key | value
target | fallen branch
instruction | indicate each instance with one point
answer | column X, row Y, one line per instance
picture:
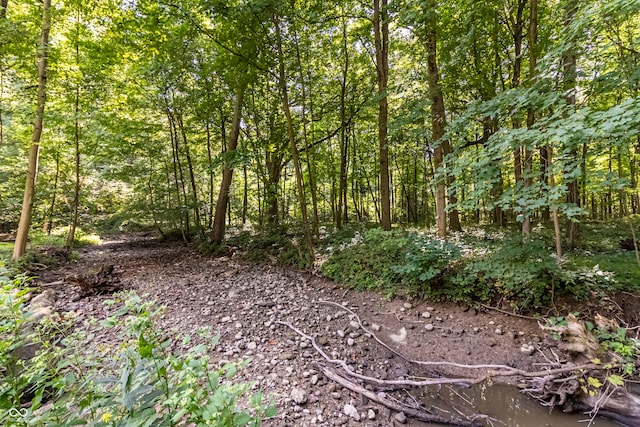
column 413, row 412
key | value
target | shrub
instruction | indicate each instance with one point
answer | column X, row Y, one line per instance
column 140, row 382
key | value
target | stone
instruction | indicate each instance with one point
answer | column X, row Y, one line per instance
column 375, row 327
column 429, row 326
column 314, row 379
column 351, row 412
column 323, row 341
column 287, row 356
column 430, row 308
column 400, row 417
column 527, row 349
column 354, row 325
column 350, row 341
column 341, row 333
column 498, row 331
column 400, row 337
column 299, row 396
column 426, row 314
column 371, row 414
column 407, row 305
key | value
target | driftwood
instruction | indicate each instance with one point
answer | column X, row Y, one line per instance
column 557, row 384
column 410, row 411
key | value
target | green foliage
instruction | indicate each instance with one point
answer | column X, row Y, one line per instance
column 426, row 265
column 269, row 244
column 139, row 382
column 366, row 261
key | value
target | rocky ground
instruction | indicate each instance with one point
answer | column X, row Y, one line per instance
column 244, row 303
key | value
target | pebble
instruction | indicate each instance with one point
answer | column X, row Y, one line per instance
column 287, row 356
column 314, row 379
column 439, row 319
column 375, row 327
column 407, row 305
column 336, row 395
column 225, row 319
column 498, row 331
column 354, row 325
column 299, row 396
column 371, row 414
column 350, row 341
column 341, row 333
column 426, row 314
column 527, row 349
column 429, row 326
column 351, row 412
column 400, row 417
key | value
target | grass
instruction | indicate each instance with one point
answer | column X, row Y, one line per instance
column 622, row 264
column 6, row 250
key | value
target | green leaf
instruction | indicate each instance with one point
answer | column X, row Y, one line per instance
column 145, row 349
column 616, row 380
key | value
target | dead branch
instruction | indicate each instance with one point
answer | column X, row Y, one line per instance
column 413, row 412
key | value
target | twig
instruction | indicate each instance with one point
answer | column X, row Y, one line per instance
column 416, row 413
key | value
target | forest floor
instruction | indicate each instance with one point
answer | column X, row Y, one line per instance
column 244, row 303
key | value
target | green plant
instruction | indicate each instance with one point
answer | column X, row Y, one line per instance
column 426, row 265
column 138, row 382
column 365, row 261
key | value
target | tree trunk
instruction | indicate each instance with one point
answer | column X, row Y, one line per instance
column 381, row 36
column 569, row 66
column 3, row 8
column 341, row 208
column 219, row 225
column 32, row 169
column 437, row 120
column 292, row 143
column 531, row 116
column 76, row 137
column 76, row 191
column 54, row 196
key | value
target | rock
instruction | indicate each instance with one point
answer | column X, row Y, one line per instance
column 287, row 356
column 323, row 341
column 400, row 417
column 527, row 349
column 401, row 337
column 426, row 314
column 439, row 319
column 375, row 327
column 314, row 379
column 299, row 396
column 225, row 319
column 498, row 331
column 429, row 326
column 252, row 345
column 407, row 305
column 350, row 341
column 341, row 333
column 354, row 325
column 336, row 395
column 371, row 414
column 351, row 412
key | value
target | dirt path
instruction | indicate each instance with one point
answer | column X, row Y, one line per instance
column 243, row 302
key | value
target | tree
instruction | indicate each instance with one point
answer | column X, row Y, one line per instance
column 381, row 36
column 32, row 167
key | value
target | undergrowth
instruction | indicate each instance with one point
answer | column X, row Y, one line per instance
column 141, row 381
column 503, row 270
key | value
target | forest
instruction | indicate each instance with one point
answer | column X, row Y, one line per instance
column 485, row 153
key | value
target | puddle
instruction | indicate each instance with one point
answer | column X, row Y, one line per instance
column 505, row 406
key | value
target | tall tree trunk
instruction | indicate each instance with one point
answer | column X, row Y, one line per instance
column 344, row 136
column 219, row 225
column 32, row 169
column 210, row 169
column 437, row 120
column 76, row 139
column 569, row 69
column 556, row 219
column 76, row 191
column 54, row 196
column 282, row 82
column 192, row 178
column 381, row 36
column 531, row 116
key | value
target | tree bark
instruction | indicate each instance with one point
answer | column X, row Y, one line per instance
column 219, row 225
column 381, row 37
column 569, row 69
column 282, row 82
column 3, row 8
column 32, row 169
column 341, row 207
column 437, row 120
column 531, row 116
column 76, row 138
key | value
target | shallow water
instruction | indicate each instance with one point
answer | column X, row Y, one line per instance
column 505, row 406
